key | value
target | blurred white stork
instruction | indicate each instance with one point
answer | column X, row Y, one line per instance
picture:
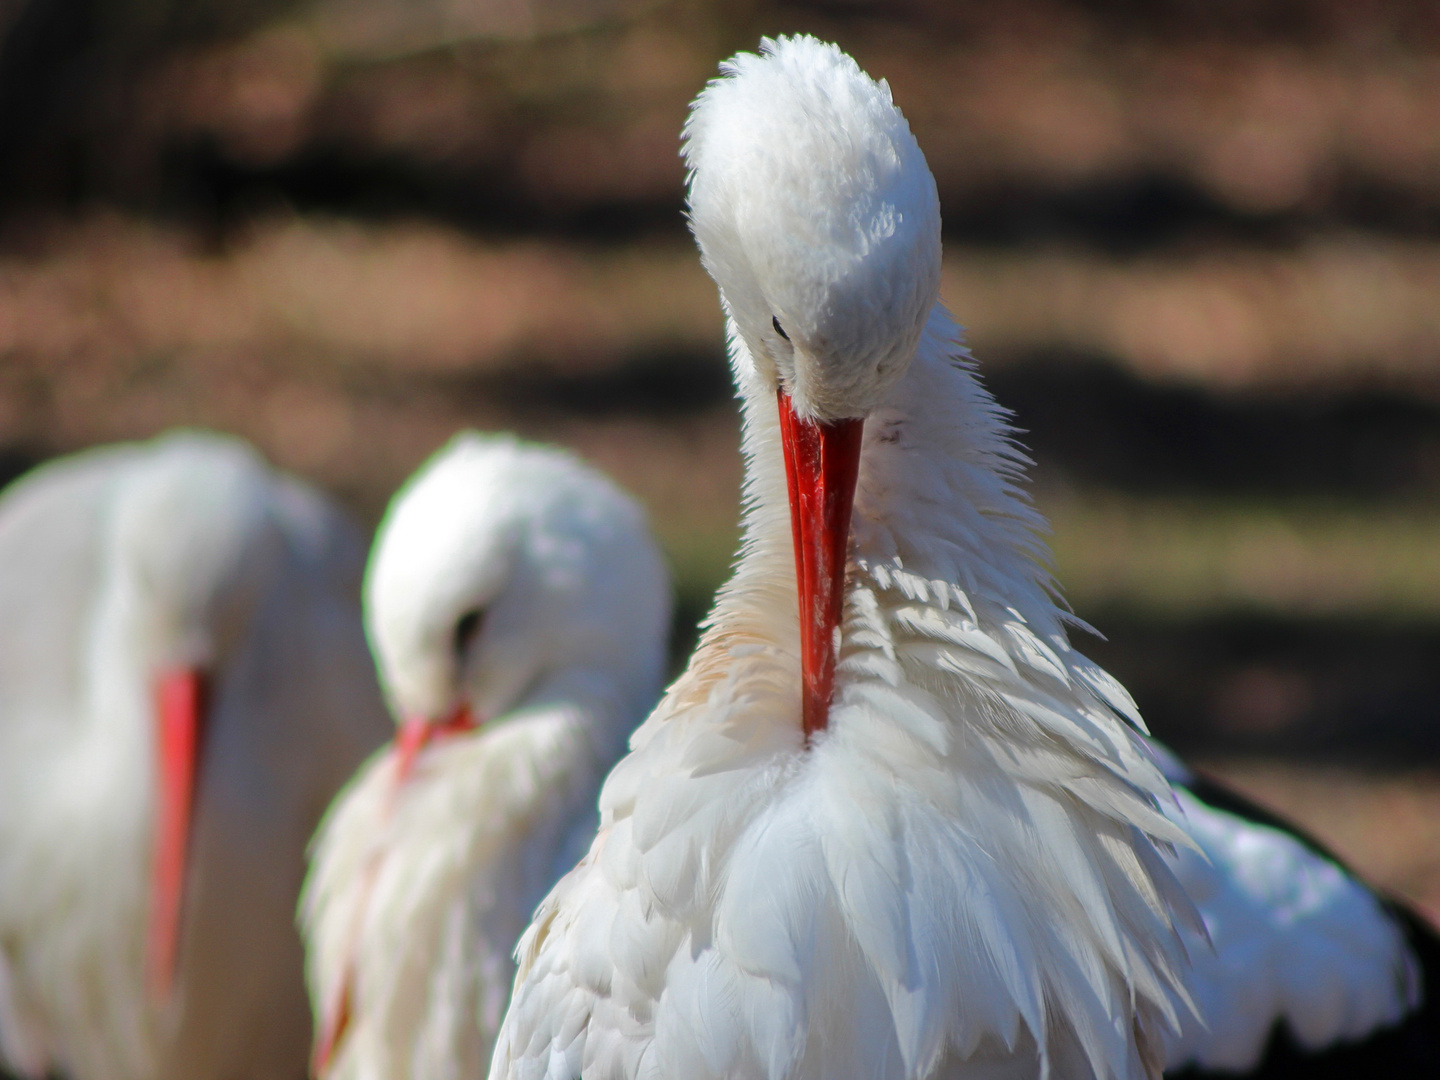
column 912, row 833
column 519, row 610
column 183, row 686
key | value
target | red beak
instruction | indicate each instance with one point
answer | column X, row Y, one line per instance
column 180, row 706
column 416, row 732
column 822, row 462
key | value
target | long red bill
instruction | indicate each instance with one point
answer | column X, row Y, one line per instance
column 180, row 712
column 822, row 462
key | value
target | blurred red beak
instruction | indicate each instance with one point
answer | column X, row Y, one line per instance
column 180, row 710
column 822, row 463
column 332, row 1029
column 416, row 733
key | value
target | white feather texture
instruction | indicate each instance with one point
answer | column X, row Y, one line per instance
column 418, row 891
column 113, row 564
column 1295, row 939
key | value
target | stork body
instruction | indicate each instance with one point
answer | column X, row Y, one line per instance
column 519, row 608
column 949, row 881
column 148, row 883
column 912, row 832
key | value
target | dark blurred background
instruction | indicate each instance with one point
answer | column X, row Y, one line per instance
column 1196, row 242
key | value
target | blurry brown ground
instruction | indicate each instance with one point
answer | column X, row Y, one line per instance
column 1197, row 245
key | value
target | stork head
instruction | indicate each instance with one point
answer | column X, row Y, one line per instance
column 196, row 548
column 498, row 566
column 818, row 218
column 197, row 544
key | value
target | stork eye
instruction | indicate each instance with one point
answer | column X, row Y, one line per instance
column 466, row 627
column 775, row 322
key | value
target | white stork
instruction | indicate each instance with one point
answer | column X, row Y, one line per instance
column 183, row 686
column 519, row 611
column 910, row 833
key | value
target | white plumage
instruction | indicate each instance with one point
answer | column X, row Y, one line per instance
column 517, row 584
column 116, row 566
column 1291, row 937
column 963, row 874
